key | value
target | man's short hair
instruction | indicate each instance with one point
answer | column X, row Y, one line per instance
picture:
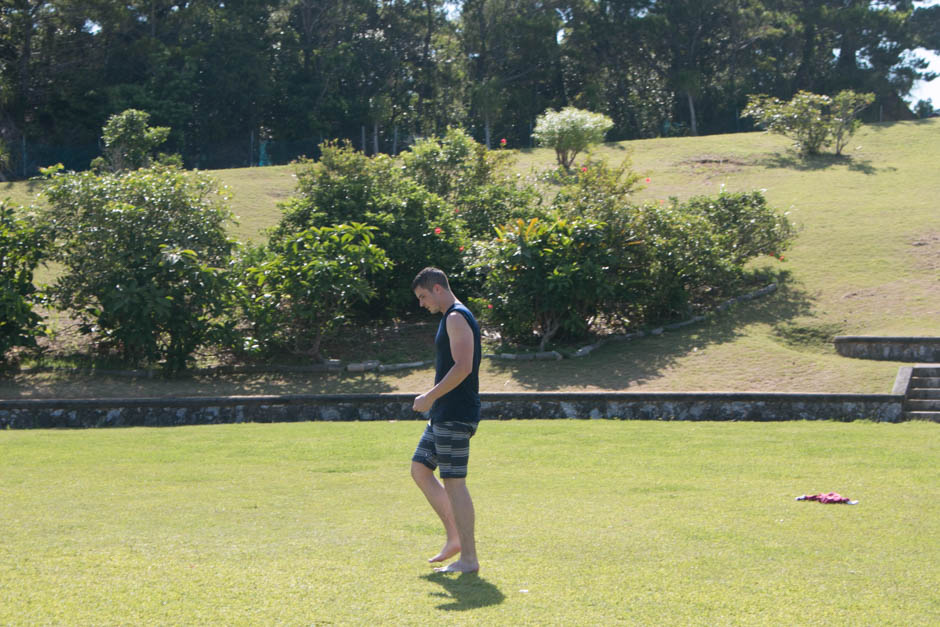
column 430, row 277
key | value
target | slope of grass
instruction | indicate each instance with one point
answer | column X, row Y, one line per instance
column 867, row 261
column 578, row 523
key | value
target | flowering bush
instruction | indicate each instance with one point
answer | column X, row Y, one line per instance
column 570, row 131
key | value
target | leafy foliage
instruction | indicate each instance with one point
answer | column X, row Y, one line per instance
column 303, row 287
column 744, row 226
column 476, row 182
column 229, row 77
column 415, row 226
column 129, row 142
column 844, row 110
column 570, row 131
column 22, row 245
column 142, row 252
column 546, row 277
column 814, row 121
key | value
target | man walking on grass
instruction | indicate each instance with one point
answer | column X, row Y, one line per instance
column 454, row 404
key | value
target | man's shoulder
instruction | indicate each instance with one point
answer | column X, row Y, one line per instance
column 457, row 316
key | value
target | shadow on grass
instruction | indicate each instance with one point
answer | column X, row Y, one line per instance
column 618, row 365
column 881, row 126
column 793, row 161
column 467, row 591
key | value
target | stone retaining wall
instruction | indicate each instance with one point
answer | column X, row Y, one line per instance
column 83, row 413
column 906, row 349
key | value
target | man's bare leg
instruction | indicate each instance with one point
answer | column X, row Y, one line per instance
column 436, row 495
column 462, row 507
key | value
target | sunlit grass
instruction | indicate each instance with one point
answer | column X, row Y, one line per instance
column 579, row 523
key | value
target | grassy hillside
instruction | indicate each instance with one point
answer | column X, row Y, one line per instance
column 867, row 261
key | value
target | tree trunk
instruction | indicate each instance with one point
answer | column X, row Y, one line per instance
column 694, row 125
column 375, row 138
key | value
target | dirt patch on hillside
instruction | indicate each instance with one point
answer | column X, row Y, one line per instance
column 926, row 251
column 709, row 165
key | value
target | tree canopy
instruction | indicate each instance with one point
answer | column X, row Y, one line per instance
column 229, row 76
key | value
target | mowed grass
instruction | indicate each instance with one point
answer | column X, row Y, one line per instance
column 578, row 523
column 866, row 262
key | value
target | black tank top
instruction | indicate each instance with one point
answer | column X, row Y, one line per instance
column 462, row 404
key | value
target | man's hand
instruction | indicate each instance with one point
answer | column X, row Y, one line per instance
column 422, row 404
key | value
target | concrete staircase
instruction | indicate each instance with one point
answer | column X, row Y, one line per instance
column 922, row 400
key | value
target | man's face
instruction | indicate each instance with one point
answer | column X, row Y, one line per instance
column 426, row 299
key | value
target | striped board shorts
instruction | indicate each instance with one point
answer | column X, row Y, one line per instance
column 446, row 445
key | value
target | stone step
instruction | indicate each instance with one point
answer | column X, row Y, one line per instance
column 926, row 371
column 924, row 393
column 922, row 415
column 925, row 382
column 916, row 404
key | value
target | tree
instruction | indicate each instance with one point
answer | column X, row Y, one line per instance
column 924, row 108
column 570, row 131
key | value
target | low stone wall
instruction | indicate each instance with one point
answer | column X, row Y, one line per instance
column 906, row 349
column 154, row 412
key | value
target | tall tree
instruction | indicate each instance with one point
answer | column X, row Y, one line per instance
column 514, row 62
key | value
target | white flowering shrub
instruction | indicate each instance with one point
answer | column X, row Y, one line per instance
column 570, row 131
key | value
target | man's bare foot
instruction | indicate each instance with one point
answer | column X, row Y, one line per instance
column 459, row 567
column 450, row 549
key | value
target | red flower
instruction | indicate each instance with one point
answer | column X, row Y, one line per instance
column 489, row 306
column 502, row 142
column 647, row 179
column 584, row 169
column 437, row 230
column 781, row 257
column 460, row 249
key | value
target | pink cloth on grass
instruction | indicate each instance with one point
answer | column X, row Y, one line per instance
column 830, row 497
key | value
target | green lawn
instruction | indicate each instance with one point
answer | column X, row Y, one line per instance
column 867, row 262
column 579, row 523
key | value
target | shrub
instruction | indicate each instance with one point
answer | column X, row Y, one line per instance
column 142, row 253
column 844, row 110
column 744, row 226
column 477, row 183
column 702, row 246
column 305, row 286
column 546, row 277
column 570, row 131
column 683, row 255
column 129, row 142
column 814, row 121
column 21, row 250
column 597, row 190
column 415, row 227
